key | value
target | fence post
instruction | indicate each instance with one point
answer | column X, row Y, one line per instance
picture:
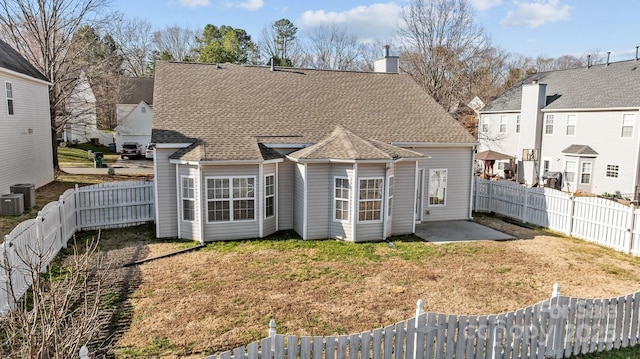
column 75, row 209
column 630, row 225
column 572, row 204
column 554, row 341
column 272, row 333
column 525, row 205
column 8, row 271
column 490, row 193
column 39, row 245
column 61, row 215
column 419, row 312
column 84, row 352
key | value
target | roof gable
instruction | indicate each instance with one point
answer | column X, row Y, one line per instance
column 599, row 87
column 133, row 90
column 10, row 59
column 231, row 107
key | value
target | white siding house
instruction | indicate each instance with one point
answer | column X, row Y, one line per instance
column 134, row 111
column 246, row 151
column 581, row 122
column 25, row 127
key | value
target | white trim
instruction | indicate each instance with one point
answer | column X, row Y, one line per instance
column 7, row 98
column 472, row 185
column 24, row 76
column 333, row 160
column 381, row 200
column 264, row 196
column 575, row 125
column 435, row 144
column 431, row 170
column 590, row 173
column 260, row 201
column 498, row 112
column 155, row 194
column 276, row 199
column 594, row 109
column 415, row 189
column 387, row 208
column 354, row 214
column 173, row 145
column 548, row 117
column 181, row 198
column 201, row 213
column 229, row 162
column 231, row 198
column 335, row 199
column 304, row 201
column 178, row 205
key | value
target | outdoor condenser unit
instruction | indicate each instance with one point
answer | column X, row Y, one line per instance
column 11, row 204
column 28, row 190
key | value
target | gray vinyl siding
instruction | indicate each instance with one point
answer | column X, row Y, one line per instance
column 404, row 195
column 190, row 229
column 458, row 162
column 373, row 230
column 166, row 192
column 318, row 200
column 25, row 138
column 220, row 231
column 298, row 198
column 269, row 225
column 285, row 194
column 340, row 229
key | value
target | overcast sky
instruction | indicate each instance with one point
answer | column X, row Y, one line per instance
column 533, row 28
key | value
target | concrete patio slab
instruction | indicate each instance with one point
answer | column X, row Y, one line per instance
column 458, row 231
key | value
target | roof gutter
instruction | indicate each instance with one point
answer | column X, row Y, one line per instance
column 434, row 144
column 173, row 145
column 335, row 160
column 595, row 109
column 498, row 111
column 226, row 162
column 25, row 77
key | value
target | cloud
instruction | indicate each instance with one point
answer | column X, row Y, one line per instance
column 250, row 5
column 483, row 5
column 534, row 14
column 375, row 21
column 194, row 3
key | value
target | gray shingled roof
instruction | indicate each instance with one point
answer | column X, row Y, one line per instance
column 342, row 144
column 10, row 59
column 132, row 90
column 601, row 86
column 579, row 150
column 230, row 107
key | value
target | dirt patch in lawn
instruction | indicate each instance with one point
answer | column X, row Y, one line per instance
column 223, row 296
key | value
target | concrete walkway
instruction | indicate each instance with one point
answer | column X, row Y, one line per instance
column 458, row 231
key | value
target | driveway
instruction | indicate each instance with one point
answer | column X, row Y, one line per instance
column 122, row 167
column 458, row 231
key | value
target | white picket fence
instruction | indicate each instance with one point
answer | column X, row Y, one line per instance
column 35, row 242
column 599, row 220
column 555, row 328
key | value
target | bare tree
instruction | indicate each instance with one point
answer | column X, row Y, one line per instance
column 135, row 43
column 63, row 311
column 177, row 42
column 332, row 48
column 43, row 32
column 439, row 38
column 279, row 41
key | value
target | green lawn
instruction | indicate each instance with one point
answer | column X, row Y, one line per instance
column 76, row 155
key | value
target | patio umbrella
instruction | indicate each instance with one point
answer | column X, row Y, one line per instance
column 489, row 157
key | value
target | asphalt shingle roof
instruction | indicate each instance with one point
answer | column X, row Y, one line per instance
column 10, row 59
column 579, row 150
column 600, row 86
column 231, row 108
column 132, row 90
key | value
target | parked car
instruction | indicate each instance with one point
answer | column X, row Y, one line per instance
column 149, row 151
column 131, row 150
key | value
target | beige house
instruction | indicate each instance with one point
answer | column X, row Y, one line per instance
column 245, row 151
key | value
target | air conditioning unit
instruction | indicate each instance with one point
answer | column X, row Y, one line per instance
column 11, row 204
column 28, row 190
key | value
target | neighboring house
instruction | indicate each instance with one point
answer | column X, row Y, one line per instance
column 134, row 111
column 25, row 122
column 581, row 122
column 245, row 151
column 80, row 124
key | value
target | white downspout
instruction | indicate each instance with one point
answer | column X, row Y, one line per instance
column 276, row 197
column 201, row 204
column 178, row 195
column 260, row 200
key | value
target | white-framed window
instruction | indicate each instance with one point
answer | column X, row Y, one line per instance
column 628, row 122
column 8, row 88
column 585, row 173
column 546, row 164
column 570, row 171
column 612, row 171
column 548, row 125
column 341, row 191
column 269, row 196
column 143, row 109
column 518, row 124
column 571, row 125
column 437, row 187
column 390, row 195
column 503, row 124
column 370, row 199
column 230, row 199
column 485, row 124
column 188, row 195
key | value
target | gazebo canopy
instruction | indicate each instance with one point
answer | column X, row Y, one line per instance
column 490, row 155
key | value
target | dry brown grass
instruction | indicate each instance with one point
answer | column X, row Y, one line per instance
column 212, row 300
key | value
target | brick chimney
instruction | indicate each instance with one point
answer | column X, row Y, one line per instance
column 389, row 64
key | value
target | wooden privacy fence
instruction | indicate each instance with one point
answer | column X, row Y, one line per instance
column 593, row 219
column 555, row 328
column 34, row 243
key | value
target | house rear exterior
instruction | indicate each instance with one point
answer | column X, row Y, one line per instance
column 25, row 127
column 245, row 151
column 580, row 122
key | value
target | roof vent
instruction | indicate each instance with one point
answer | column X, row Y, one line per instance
column 637, row 52
column 273, row 63
column 588, row 61
column 534, row 82
column 608, row 56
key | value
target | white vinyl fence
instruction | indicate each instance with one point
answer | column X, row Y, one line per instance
column 35, row 242
column 555, row 328
column 593, row 219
